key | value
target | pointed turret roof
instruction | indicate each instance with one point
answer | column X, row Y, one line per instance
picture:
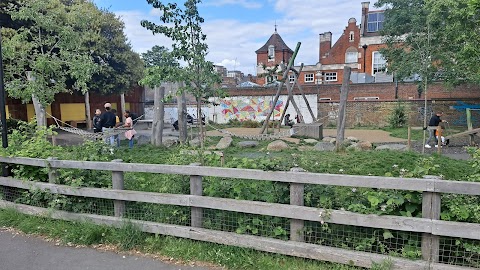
column 275, row 40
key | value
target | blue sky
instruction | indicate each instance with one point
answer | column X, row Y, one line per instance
column 235, row 29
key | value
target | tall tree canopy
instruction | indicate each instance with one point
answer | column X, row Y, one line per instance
column 161, row 66
column 46, row 51
column 120, row 67
column 436, row 39
column 85, row 47
column 183, row 26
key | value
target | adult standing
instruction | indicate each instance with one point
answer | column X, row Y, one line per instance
column 432, row 126
column 108, row 123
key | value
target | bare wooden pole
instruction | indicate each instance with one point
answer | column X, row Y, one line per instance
column 343, row 107
column 285, row 73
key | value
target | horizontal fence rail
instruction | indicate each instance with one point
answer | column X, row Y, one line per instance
column 429, row 226
column 409, row 184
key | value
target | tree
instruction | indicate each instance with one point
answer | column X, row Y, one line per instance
column 45, row 54
column 436, row 39
column 183, row 27
column 425, row 41
column 120, row 67
column 161, row 67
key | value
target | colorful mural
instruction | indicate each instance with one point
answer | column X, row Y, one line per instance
column 249, row 109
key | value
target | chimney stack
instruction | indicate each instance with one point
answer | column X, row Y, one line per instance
column 365, row 9
column 325, row 45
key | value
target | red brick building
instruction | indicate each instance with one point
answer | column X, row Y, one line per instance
column 270, row 56
column 357, row 47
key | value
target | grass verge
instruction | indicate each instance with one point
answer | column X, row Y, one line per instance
column 128, row 238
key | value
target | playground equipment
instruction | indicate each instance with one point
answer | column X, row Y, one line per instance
column 289, row 90
column 471, row 131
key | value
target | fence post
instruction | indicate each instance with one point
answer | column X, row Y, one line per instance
column 296, row 198
column 439, row 140
column 431, row 203
column 52, row 172
column 196, row 189
column 409, row 135
column 118, row 183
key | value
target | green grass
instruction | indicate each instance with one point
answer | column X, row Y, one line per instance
column 129, row 238
column 418, row 134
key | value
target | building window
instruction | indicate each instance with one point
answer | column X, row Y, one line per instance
column 375, row 22
column 271, row 53
column 379, row 63
column 330, row 76
column 351, row 57
column 351, row 38
column 271, row 79
column 291, row 78
column 309, row 77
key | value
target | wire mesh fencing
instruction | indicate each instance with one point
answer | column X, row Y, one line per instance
column 249, row 193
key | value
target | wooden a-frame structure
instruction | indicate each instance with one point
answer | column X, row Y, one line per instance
column 290, row 92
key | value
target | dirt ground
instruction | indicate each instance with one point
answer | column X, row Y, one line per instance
column 456, row 149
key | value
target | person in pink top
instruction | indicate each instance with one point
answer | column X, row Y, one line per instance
column 129, row 134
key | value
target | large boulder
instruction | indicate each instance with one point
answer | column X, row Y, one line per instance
column 142, row 139
column 248, row 144
column 364, row 145
column 224, row 142
column 324, row 146
column 277, row 145
column 170, row 141
column 310, row 141
column 394, row 146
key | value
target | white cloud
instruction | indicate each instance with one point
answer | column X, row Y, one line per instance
column 243, row 3
column 232, row 43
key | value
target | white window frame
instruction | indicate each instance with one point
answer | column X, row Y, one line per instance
column 351, row 57
column 331, row 76
column 379, row 64
column 271, row 53
column 376, row 24
column 291, row 78
column 309, row 77
column 351, row 37
column 272, row 78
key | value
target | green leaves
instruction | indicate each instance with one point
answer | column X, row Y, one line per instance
column 435, row 39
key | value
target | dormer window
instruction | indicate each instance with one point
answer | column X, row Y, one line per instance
column 271, row 53
column 375, row 21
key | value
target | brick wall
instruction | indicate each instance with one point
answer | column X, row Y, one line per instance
column 374, row 113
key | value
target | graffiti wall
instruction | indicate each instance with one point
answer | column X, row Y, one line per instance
column 256, row 108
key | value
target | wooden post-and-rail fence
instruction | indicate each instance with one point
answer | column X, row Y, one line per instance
column 429, row 225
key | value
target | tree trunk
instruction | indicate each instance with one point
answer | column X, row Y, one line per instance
column 39, row 112
column 87, row 110
column 199, row 122
column 122, row 106
column 343, row 107
column 182, row 113
column 158, row 115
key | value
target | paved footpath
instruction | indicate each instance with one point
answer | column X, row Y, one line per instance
column 19, row 252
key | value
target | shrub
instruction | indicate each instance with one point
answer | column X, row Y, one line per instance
column 397, row 118
column 250, row 124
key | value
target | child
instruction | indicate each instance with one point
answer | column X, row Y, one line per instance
column 129, row 134
column 287, row 121
column 442, row 139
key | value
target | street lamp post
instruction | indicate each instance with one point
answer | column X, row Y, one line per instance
column 365, row 46
column 3, row 113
